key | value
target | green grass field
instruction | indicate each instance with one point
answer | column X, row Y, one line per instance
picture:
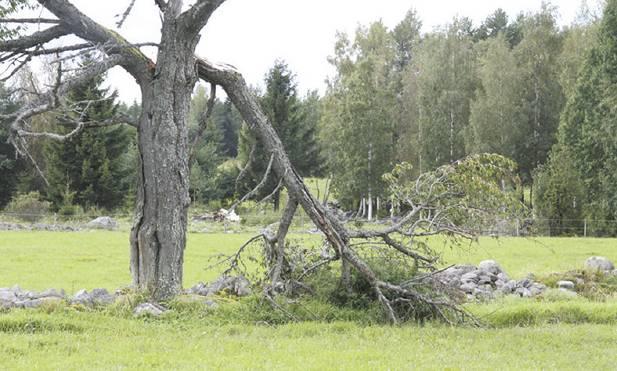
column 40, row 260
column 521, row 334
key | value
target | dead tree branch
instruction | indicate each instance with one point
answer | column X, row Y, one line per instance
column 125, row 15
column 257, row 188
column 29, row 20
column 433, row 190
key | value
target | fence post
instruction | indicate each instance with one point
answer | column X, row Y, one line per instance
column 585, row 228
column 517, row 228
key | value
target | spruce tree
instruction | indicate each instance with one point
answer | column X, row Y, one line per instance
column 293, row 125
column 589, row 123
column 9, row 165
column 94, row 163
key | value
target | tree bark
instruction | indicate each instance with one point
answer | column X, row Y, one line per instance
column 278, row 252
column 158, row 236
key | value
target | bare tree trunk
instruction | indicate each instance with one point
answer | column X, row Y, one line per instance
column 451, row 136
column 363, row 206
column 370, row 180
column 158, row 236
column 370, row 206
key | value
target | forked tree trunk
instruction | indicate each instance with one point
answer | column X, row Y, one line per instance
column 158, row 236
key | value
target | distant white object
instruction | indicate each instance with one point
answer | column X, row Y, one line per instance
column 230, row 216
column 103, row 222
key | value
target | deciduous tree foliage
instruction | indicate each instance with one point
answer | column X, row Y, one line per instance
column 445, row 85
column 497, row 112
column 537, row 59
column 360, row 111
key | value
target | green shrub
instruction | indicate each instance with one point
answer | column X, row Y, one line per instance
column 28, row 207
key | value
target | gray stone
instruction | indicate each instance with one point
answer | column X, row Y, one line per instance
column 484, row 279
column 490, row 266
column 7, row 298
column 568, row 285
column 537, row 289
column 599, row 263
column 47, row 293
column 11, row 227
column 509, row 287
column 238, row 286
column 453, row 275
column 468, row 287
column 35, row 303
column 199, row 289
column 483, row 293
column 103, row 222
column 148, row 309
column 526, row 283
column 459, row 270
column 503, row 277
column 102, row 297
column 82, row 297
column 469, row 277
column 523, row 292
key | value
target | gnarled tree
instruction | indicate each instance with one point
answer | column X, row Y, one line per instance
column 158, row 236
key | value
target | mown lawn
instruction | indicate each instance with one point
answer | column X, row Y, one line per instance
column 520, row 334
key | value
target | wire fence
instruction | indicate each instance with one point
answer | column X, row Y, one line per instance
column 534, row 227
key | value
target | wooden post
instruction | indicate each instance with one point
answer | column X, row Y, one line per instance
column 585, row 228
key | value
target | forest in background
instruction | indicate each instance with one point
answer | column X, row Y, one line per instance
column 516, row 85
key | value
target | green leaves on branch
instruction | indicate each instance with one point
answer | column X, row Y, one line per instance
column 472, row 193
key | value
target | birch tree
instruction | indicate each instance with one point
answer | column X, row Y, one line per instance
column 359, row 119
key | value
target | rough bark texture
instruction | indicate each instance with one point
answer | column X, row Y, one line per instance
column 278, row 247
column 158, row 236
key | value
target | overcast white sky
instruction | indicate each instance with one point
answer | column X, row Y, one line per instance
column 251, row 34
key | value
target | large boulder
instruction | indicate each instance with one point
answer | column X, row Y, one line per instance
column 599, row 263
column 103, row 222
column 490, row 266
